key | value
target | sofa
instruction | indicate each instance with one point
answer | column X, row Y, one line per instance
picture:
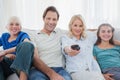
column 90, row 32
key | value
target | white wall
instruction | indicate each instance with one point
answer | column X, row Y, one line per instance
column 30, row 12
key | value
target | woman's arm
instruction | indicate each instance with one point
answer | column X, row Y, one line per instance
column 70, row 51
column 10, row 50
column 7, row 51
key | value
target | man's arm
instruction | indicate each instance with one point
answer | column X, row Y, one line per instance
column 40, row 65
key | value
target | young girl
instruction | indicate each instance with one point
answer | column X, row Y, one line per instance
column 107, row 53
column 9, row 41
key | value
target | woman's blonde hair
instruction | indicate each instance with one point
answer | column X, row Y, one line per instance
column 79, row 17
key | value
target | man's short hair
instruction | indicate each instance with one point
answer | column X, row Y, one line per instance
column 51, row 8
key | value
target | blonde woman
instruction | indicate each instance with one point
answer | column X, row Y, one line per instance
column 77, row 48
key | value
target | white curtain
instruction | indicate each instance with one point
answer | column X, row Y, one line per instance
column 30, row 12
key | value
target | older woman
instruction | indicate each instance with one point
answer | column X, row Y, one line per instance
column 77, row 48
column 11, row 56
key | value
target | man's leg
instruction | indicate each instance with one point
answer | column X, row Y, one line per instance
column 37, row 75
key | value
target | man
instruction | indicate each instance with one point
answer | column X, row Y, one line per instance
column 49, row 64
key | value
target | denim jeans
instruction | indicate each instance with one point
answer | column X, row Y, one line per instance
column 22, row 62
column 38, row 75
column 24, row 57
column 1, row 73
column 115, row 71
column 5, row 66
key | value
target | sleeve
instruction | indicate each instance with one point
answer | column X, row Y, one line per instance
column 61, row 31
column 94, row 52
column 3, row 39
column 24, row 36
column 0, row 41
column 65, row 43
column 119, row 49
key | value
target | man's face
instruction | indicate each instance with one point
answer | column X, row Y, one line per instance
column 50, row 21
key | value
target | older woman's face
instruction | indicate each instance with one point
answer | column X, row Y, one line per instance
column 77, row 28
column 14, row 28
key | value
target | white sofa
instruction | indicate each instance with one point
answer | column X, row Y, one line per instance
column 13, row 77
column 91, row 32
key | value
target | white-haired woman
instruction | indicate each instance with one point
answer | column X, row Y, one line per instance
column 11, row 58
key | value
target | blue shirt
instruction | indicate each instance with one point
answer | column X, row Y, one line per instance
column 6, row 44
column 107, row 58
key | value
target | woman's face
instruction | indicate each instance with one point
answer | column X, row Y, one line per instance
column 105, row 33
column 14, row 28
column 77, row 28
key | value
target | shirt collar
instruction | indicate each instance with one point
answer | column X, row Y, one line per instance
column 74, row 38
column 40, row 32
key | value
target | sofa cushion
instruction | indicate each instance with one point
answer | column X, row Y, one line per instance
column 13, row 77
column 90, row 33
column 93, row 32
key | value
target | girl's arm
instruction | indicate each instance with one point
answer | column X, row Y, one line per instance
column 117, row 42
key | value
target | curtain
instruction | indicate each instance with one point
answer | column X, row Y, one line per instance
column 30, row 12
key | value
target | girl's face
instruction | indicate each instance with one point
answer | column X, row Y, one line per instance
column 14, row 28
column 105, row 33
column 77, row 28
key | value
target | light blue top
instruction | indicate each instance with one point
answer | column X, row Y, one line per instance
column 107, row 58
column 82, row 61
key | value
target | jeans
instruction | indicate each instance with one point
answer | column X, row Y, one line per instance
column 24, row 57
column 5, row 66
column 115, row 71
column 38, row 75
column 22, row 62
column 1, row 73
